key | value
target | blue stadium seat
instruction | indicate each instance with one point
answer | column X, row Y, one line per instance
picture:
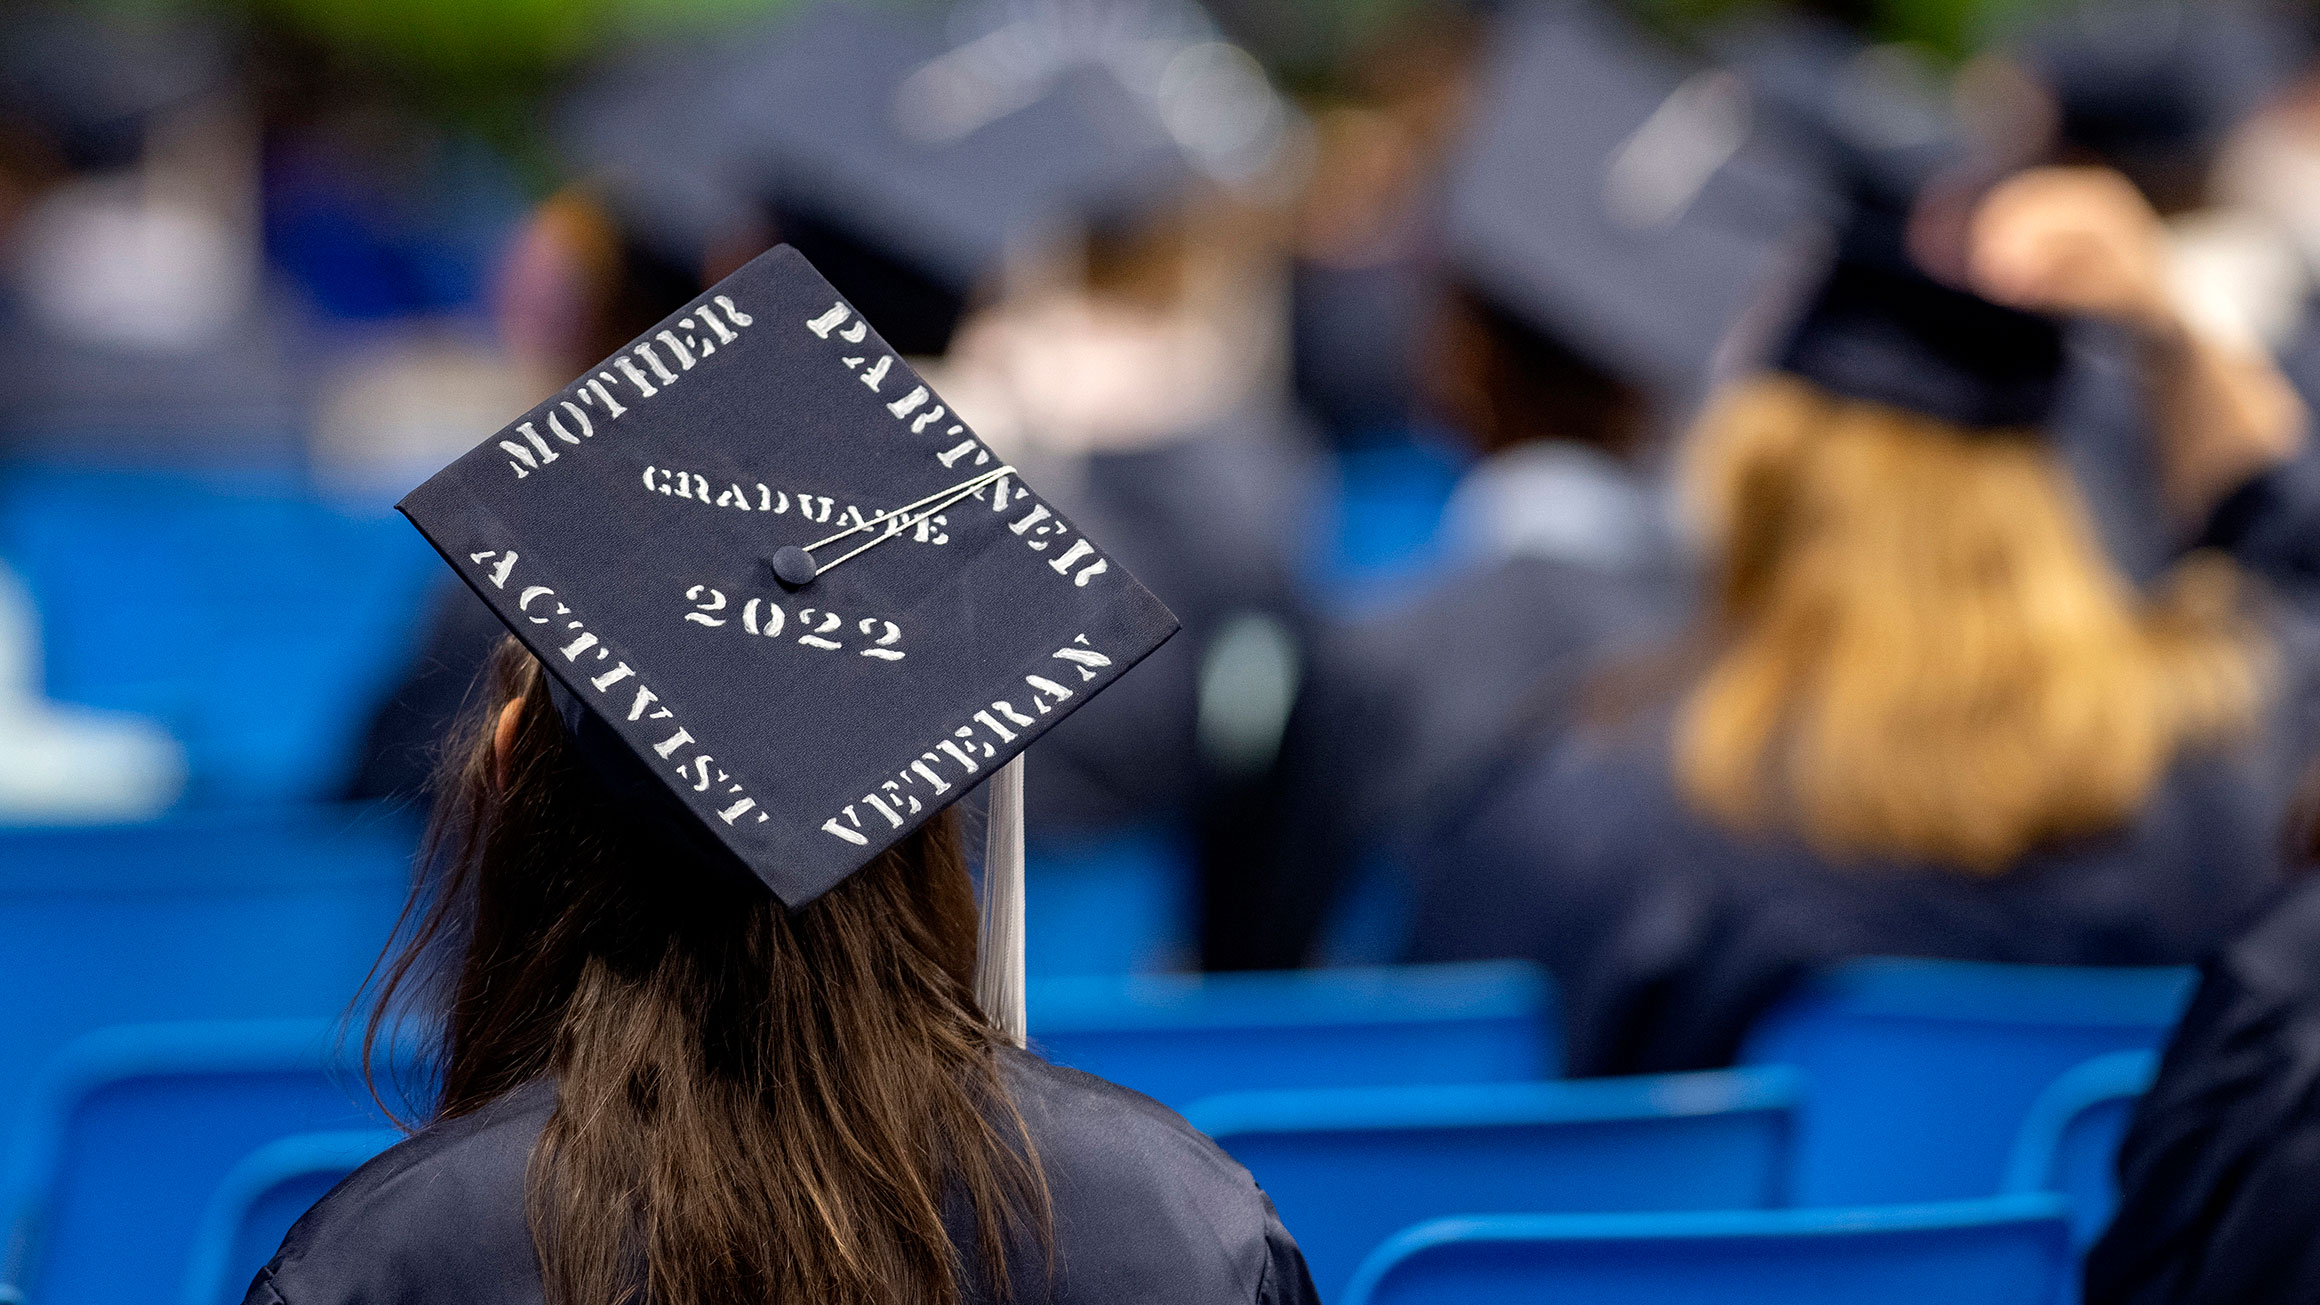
column 1918, row 1073
column 1376, row 537
column 260, row 626
column 258, row 1201
column 1179, row 1038
column 1111, row 903
column 132, row 1129
column 2069, row 1143
column 1347, row 1167
column 206, row 915
column 2005, row 1250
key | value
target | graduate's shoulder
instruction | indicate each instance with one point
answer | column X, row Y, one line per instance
column 441, row 1211
column 1146, row 1207
column 1081, row 1122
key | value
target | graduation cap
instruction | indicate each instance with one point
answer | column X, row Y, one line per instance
column 1875, row 121
column 644, row 130
column 871, row 126
column 1620, row 203
column 784, row 593
column 2152, row 87
column 1879, row 329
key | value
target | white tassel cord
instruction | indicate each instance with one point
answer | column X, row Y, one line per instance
column 999, row 958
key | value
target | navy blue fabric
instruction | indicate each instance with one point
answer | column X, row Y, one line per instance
column 1879, row 139
column 834, row 128
column 2151, row 90
column 621, row 530
column 1879, row 330
column 1210, row 523
column 650, row 133
column 1147, row 1211
column 1403, row 716
column 2219, row 1167
column 1565, row 211
column 2271, row 523
column 1670, row 935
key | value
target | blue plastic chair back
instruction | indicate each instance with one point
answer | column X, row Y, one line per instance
column 1179, row 1038
column 2070, row 1141
column 1918, row 1073
column 131, row 1131
column 2006, row 1250
column 260, row 626
column 1118, row 903
column 1379, row 533
column 260, row 1198
column 211, row 915
column 1348, row 1167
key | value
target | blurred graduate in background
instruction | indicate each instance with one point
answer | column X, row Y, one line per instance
column 2174, row 103
column 2217, row 1168
column 1610, row 217
column 1923, row 713
column 1071, row 213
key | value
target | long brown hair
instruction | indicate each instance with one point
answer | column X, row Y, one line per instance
column 751, row 1105
column 1920, row 650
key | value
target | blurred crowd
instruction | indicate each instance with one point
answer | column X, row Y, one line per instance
column 1571, row 564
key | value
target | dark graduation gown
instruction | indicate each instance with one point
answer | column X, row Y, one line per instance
column 1209, row 523
column 2220, row 1172
column 1405, row 711
column 2271, row 525
column 1671, row 935
column 1146, row 1210
column 1402, row 714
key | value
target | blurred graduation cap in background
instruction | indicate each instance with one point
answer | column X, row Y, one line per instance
column 911, row 161
column 94, row 79
column 791, row 606
column 1875, row 121
column 645, row 132
column 2151, row 88
column 1622, row 204
column 1878, row 329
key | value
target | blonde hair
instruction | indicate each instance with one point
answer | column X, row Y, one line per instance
column 1922, row 653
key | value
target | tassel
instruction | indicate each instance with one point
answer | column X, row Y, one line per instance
column 999, row 958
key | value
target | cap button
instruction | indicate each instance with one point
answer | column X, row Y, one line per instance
column 793, row 566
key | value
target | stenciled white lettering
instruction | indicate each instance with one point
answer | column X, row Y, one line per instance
column 534, row 602
column 967, row 746
column 641, row 367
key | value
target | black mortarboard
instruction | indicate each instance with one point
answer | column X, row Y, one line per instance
column 646, row 534
column 1617, row 204
column 1879, row 329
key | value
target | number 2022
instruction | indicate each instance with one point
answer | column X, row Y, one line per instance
column 764, row 617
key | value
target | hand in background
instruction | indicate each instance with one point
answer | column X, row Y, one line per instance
column 2082, row 241
column 2074, row 241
